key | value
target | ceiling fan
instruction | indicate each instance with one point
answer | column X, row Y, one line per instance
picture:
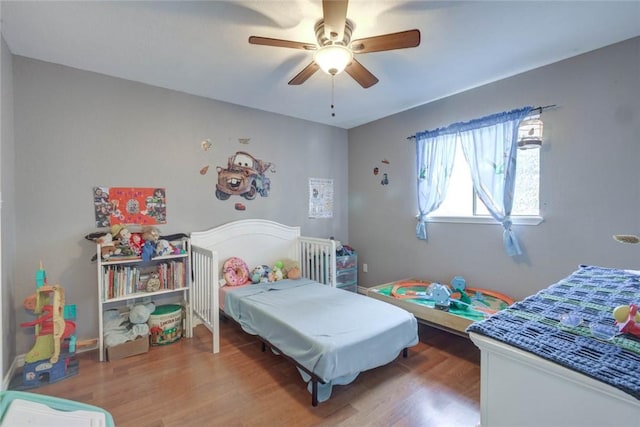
column 334, row 51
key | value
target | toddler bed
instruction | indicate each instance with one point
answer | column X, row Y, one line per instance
column 555, row 359
column 329, row 334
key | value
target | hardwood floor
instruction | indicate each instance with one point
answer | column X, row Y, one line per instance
column 183, row 384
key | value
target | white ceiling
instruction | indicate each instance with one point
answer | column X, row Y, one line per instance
column 201, row 47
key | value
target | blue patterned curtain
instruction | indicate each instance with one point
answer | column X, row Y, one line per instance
column 490, row 146
column 435, row 152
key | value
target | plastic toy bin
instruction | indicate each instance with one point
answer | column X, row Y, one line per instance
column 346, row 278
column 346, row 261
column 58, row 405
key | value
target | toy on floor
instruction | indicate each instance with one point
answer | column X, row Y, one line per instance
column 52, row 356
column 456, row 295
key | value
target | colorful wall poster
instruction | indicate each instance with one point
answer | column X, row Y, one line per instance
column 127, row 205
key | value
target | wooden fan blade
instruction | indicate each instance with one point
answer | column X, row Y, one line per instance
column 266, row 41
column 304, row 74
column 361, row 74
column 401, row 40
column 335, row 16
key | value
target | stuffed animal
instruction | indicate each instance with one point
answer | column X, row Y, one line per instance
column 277, row 272
column 256, row 274
column 150, row 233
column 291, row 269
column 120, row 328
column 148, row 250
column 136, row 243
column 294, row 273
column 260, row 274
column 120, row 234
column 138, row 316
column 140, row 313
column 163, row 247
column 153, row 284
column 107, row 246
column 150, row 237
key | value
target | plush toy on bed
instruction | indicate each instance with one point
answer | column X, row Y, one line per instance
column 291, row 269
column 235, row 272
column 260, row 274
column 627, row 319
column 277, row 273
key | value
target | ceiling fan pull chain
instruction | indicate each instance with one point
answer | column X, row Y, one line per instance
column 333, row 114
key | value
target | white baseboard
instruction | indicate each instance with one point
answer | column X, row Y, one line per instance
column 17, row 363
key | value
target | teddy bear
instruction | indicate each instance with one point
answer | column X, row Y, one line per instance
column 150, row 233
column 291, row 269
column 294, row 273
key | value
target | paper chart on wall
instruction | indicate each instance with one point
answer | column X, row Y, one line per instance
column 320, row 198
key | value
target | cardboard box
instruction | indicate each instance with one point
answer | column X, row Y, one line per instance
column 130, row 348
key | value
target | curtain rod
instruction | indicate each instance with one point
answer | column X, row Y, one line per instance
column 539, row 109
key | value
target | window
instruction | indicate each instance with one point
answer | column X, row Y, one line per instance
column 462, row 204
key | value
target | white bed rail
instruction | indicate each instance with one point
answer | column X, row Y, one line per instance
column 318, row 259
column 204, row 291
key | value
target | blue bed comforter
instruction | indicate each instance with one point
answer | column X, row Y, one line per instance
column 333, row 333
column 590, row 293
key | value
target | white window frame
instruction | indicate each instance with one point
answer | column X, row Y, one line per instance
column 484, row 219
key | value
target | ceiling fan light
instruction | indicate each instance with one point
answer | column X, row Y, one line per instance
column 333, row 59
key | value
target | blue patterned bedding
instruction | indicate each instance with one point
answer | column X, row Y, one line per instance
column 590, row 294
column 333, row 333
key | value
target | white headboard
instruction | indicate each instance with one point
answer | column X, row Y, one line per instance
column 256, row 241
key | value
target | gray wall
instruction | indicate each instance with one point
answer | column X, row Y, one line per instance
column 75, row 129
column 589, row 180
column 7, row 226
